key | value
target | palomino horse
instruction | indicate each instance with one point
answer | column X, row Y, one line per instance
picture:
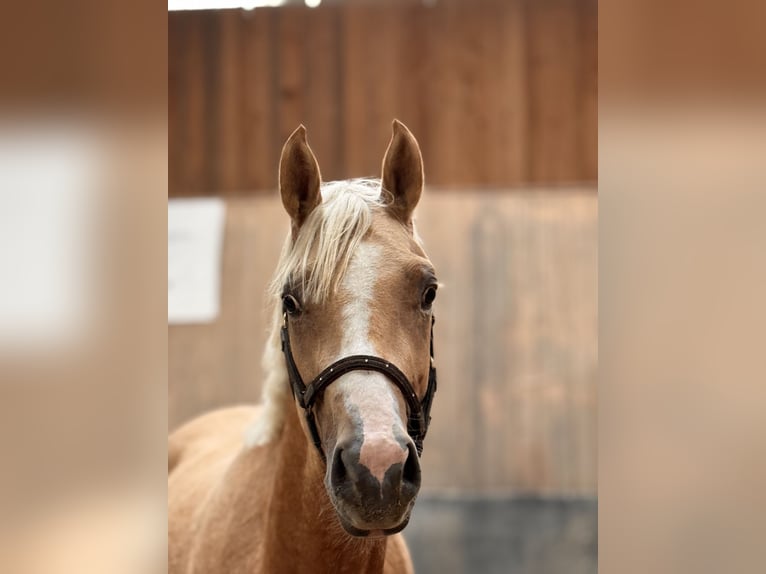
column 322, row 476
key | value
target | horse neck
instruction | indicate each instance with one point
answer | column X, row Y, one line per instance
column 303, row 532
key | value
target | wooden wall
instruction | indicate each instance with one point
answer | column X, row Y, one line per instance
column 516, row 335
column 499, row 92
column 502, row 95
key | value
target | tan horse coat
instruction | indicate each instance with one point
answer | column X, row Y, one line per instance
column 238, row 510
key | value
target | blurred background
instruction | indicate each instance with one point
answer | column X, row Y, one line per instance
column 83, row 182
column 502, row 97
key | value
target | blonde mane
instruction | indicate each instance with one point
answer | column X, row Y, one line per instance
column 317, row 259
column 314, row 262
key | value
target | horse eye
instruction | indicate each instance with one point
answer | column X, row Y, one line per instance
column 428, row 297
column 290, row 304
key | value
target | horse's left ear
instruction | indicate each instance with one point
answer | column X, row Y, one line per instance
column 403, row 172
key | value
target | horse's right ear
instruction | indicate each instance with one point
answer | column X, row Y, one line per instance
column 299, row 178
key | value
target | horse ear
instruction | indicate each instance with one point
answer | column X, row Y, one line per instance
column 299, row 178
column 403, row 172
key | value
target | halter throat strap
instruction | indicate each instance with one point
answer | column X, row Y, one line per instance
column 419, row 416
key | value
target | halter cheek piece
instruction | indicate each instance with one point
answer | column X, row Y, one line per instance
column 419, row 410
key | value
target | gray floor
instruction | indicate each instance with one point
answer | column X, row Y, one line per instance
column 448, row 535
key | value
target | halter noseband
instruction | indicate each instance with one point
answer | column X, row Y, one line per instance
column 419, row 410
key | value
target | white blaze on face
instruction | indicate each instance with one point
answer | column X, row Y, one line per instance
column 370, row 394
column 358, row 286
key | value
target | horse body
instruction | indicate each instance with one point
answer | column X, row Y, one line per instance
column 324, row 485
column 240, row 510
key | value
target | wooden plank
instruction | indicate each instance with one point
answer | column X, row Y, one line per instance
column 258, row 116
column 360, row 83
column 552, row 80
column 385, row 70
column 323, row 115
column 409, row 76
column 445, row 241
column 177, row 42
column 587, row 75
column 209, row 79
column 507, row 132
column 228, row 95
column 445, row 159
column 192, row 154
column 291, row 69
column 474, row 91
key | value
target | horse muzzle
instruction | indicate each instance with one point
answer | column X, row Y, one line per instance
column 373, row 483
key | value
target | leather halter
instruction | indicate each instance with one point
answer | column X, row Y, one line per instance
column 419, row 410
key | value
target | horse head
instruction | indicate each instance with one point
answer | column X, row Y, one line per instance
column 357, row 290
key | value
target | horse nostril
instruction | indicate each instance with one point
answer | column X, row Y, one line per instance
column 411, row 471
column 338, row 472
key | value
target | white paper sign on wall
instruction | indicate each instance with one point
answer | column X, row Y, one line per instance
column 195, row 247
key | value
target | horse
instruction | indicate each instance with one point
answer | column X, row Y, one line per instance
column 322, row 477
